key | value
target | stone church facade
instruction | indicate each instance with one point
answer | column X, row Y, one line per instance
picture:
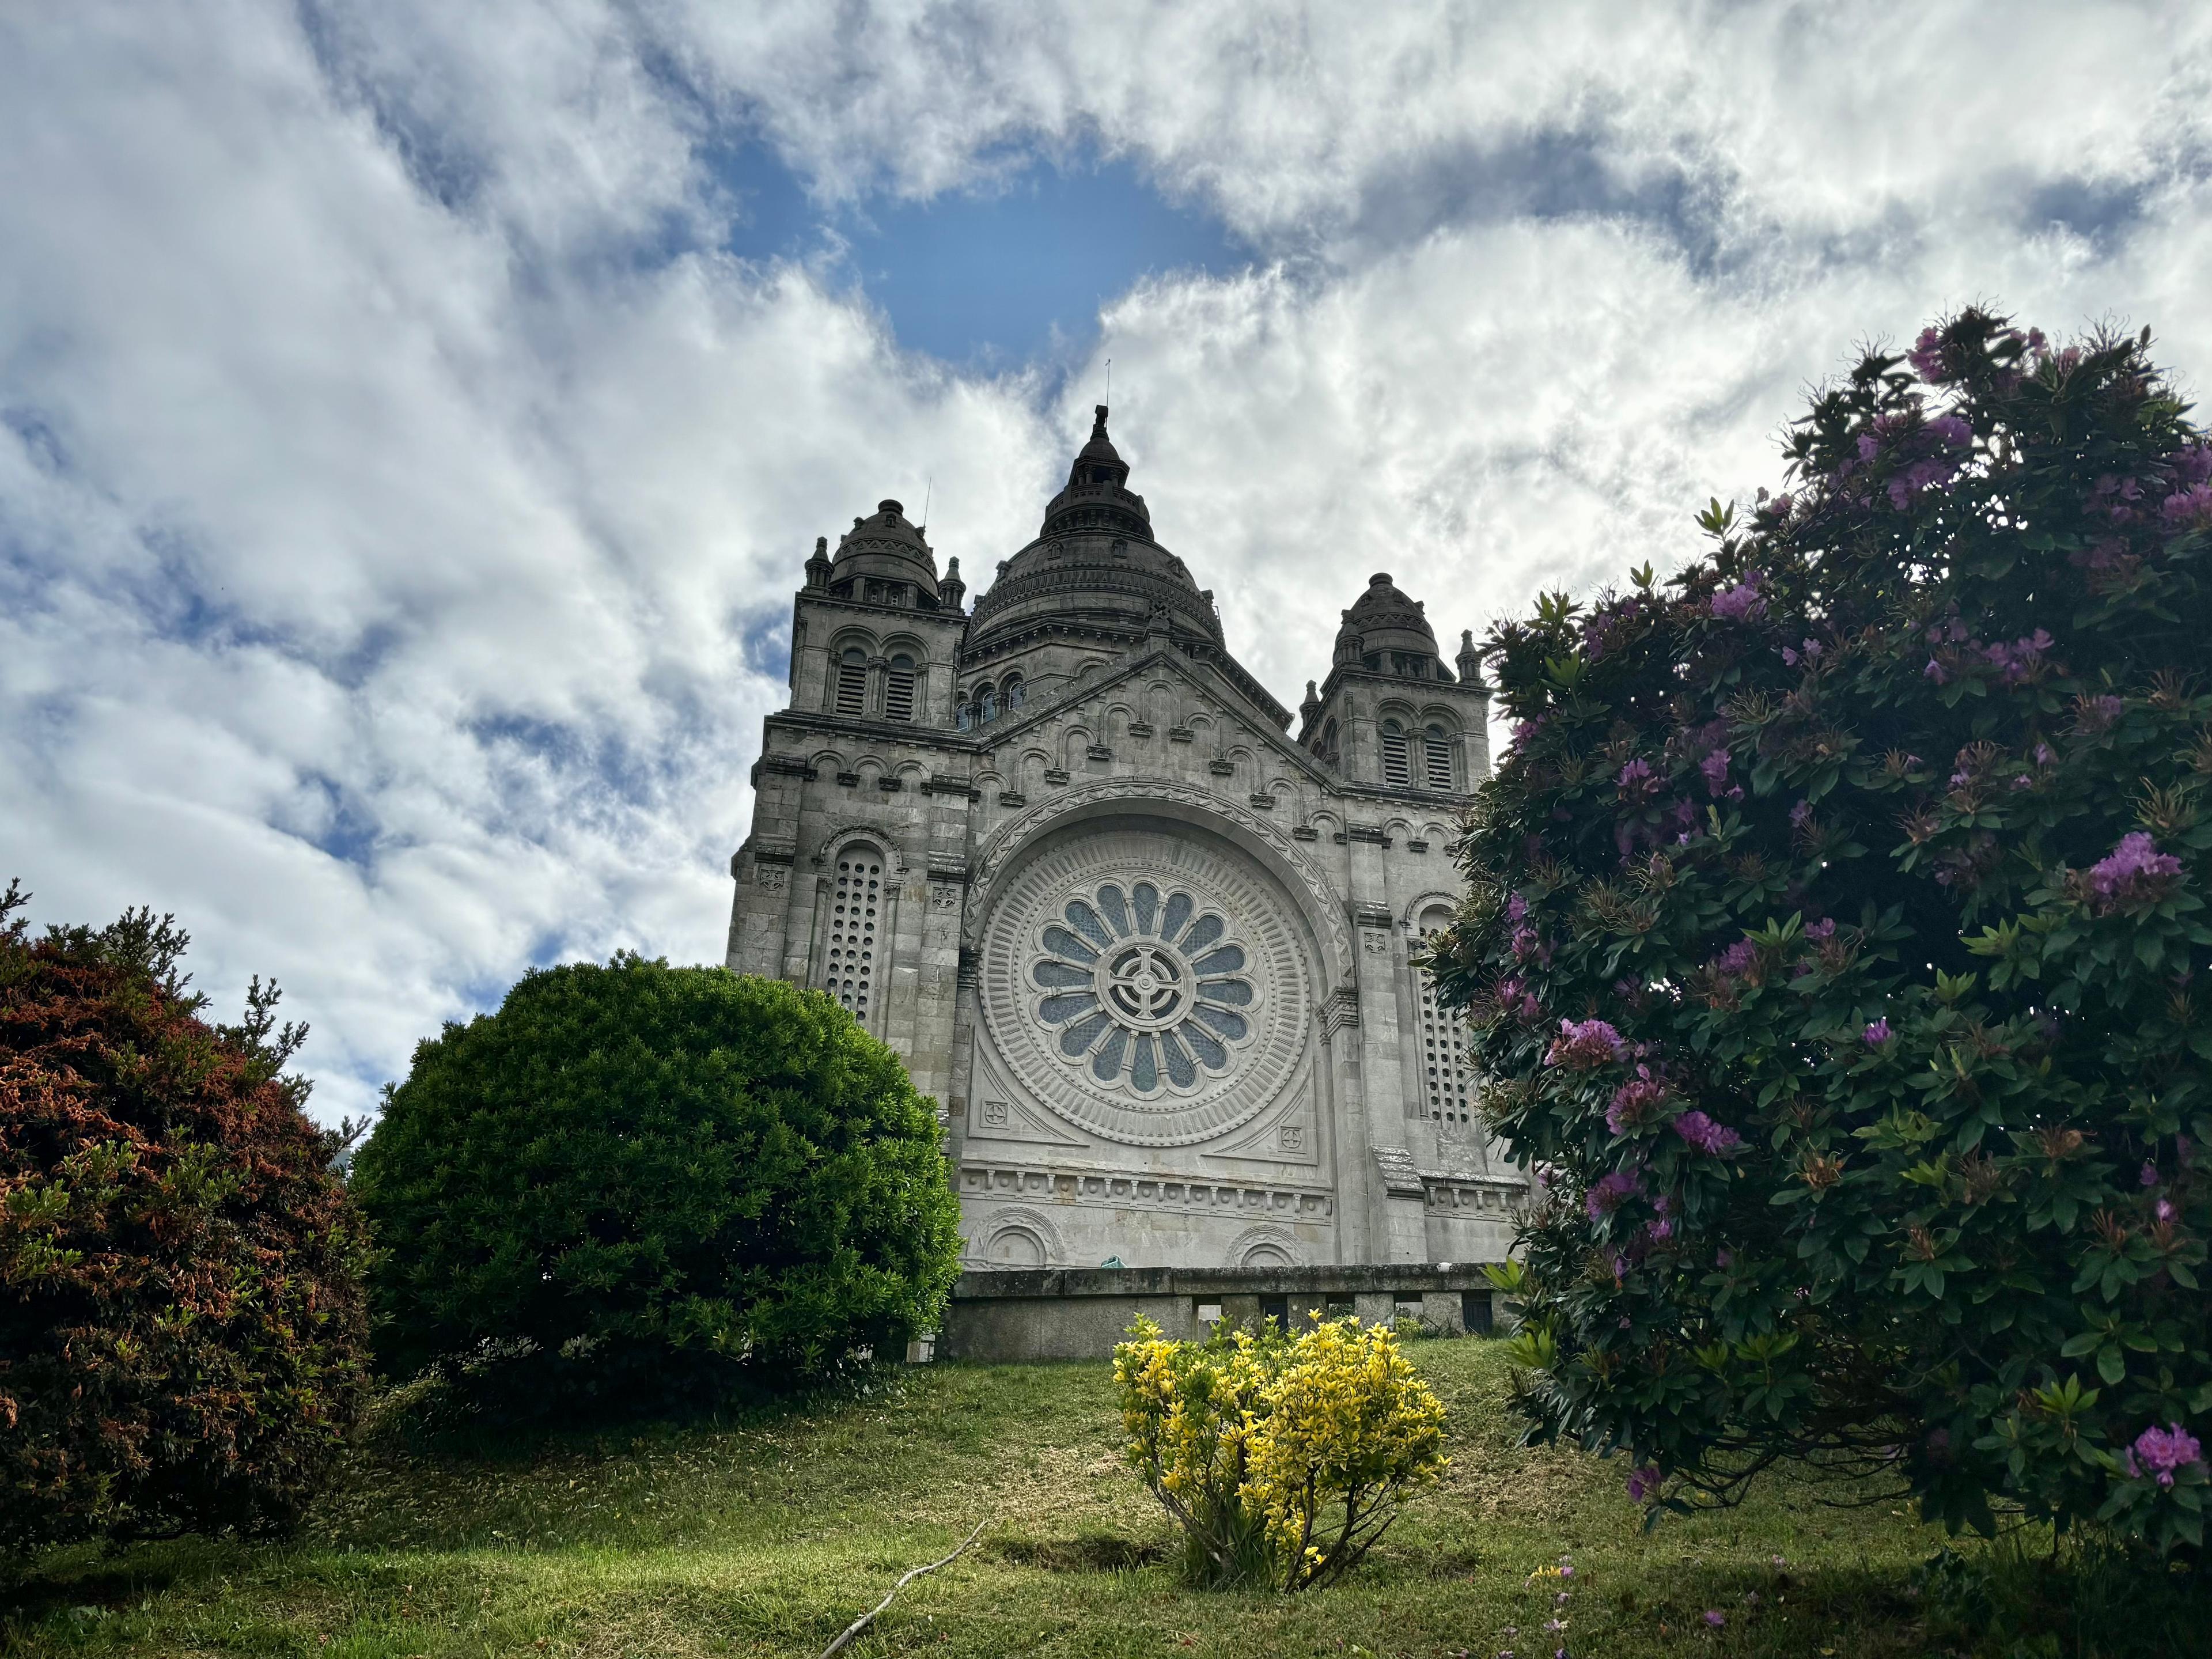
column 1147, row 949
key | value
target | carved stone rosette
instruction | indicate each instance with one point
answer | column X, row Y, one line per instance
column 1147, row 985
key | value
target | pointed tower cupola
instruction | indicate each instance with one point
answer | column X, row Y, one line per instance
column 1470, row 659
column 1099, row 461
column 1097, row 495
column 1094, row 567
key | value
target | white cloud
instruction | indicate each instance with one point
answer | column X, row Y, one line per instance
column 400, row 496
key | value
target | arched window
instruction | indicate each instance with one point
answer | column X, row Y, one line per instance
column 849, row 970
column 1437, row 758
column 852, row 690
column 1328, row 739
column 1397, row 763
column 964, row 716
column 898, row 689
column 1014, row 693
column 1448, row 1083
column 987, row 704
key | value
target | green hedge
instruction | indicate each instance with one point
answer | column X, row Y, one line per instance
column 182, row 1336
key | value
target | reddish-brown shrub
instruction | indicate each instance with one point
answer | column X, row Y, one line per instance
column 182, row 1326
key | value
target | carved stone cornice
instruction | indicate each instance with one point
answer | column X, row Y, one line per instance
column 1401, row 1179
column 1340, row 1010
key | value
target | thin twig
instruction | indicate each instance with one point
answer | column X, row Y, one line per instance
column 868, row 1618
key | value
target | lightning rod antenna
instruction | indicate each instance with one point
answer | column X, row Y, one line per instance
column 1109, row 379
column 927, row 485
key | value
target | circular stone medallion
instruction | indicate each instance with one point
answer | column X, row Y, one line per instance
column 1147, row 985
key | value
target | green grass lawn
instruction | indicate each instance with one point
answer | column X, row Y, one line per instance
column 768, row 1537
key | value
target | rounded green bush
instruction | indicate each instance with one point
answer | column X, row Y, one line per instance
column 641, row 1185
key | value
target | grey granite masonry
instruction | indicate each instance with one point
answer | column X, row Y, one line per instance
column 1008, row 1316
column 1150, row 951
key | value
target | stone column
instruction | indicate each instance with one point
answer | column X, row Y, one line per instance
column 1356, row 1224
column 1403, row 1235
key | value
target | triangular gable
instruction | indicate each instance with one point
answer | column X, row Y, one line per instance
column 1063, row 707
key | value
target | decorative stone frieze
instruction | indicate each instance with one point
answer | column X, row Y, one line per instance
column 1035, row 1182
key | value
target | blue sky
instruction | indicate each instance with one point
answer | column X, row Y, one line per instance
column 414, row 418
column 1011, row 272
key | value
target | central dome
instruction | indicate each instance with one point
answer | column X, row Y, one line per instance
column 1094, row 561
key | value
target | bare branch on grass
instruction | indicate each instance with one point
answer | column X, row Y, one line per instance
column 852, row 1630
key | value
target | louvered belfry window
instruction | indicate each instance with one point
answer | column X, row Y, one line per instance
column 1436, row 756
column 898, row 690
column 850, row 969
column 1397, row 766
column 852, row 682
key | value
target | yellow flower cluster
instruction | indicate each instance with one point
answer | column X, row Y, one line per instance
column 1280, row 1457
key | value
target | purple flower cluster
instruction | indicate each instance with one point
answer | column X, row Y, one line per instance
column 1611, row 1193
column 2118, row 497
column 2099, row 713
column 1608, row 621
column 1743, row 602
column 1516, row 998
column 1585, row 1047
column 2131, row 873
column 1878, row 1033
column 2159, row 1452
column 1927, row 357
column 1715, row 767
column 1822, row 930
column 1922, row 468
column 1809, row 650
column 2020, row 659
column 1735, row 961
column 2191, row 505
column 1636, row 782
column 1632, row 1102
column 1642, row 1483
column 1715, row 1139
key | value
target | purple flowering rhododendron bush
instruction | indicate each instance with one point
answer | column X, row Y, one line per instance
column 1837, row 944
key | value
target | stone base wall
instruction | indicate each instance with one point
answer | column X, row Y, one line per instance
column 1001, row 1316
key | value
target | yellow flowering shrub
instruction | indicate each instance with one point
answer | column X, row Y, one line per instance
column 1190, row 1409
column 1282, row 1459
column 1349, row 1431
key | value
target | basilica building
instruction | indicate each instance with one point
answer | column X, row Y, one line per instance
column 1148, row 950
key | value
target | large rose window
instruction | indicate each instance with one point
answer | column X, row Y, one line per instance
column 1143, row 988
column 1145, row 983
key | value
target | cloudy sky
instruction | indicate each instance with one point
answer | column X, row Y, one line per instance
column 413, row 417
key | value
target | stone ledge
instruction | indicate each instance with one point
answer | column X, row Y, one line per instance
column 1029, row 1284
